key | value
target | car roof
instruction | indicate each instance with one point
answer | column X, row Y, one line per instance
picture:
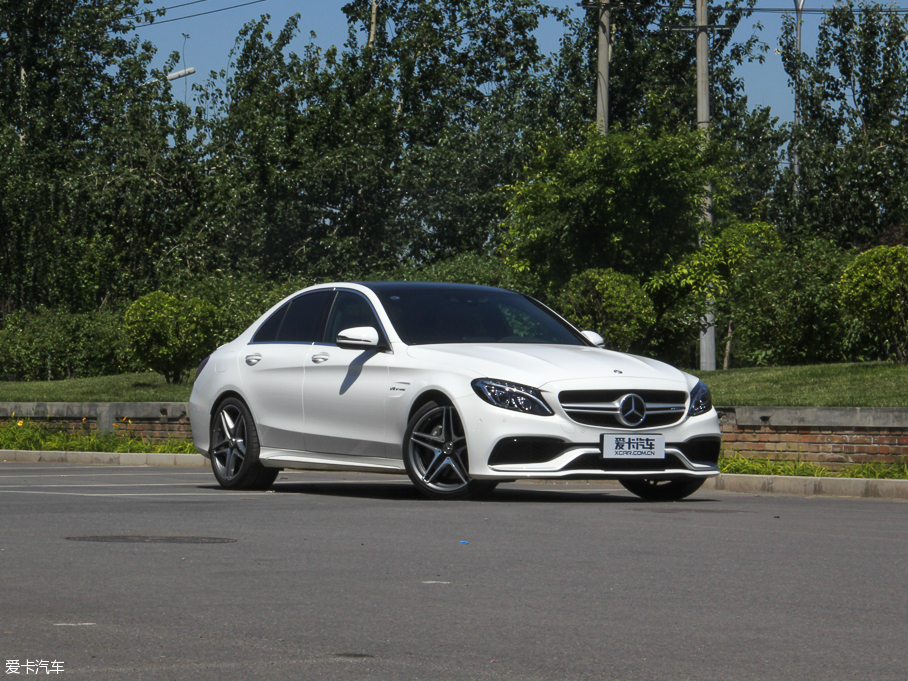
column 427, row 286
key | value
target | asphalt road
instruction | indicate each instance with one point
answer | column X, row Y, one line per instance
column 333, row 576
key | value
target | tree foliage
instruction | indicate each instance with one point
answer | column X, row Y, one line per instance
column 624, row 201
column 95, row 166
column 874, row 289
column 44, row 345
column 439, row 143
column 850, row 144
column 612, row 304
column 785, row 309
column 392, row 148
column 170, row 334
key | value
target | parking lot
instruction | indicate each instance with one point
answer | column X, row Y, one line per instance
column 155, row 573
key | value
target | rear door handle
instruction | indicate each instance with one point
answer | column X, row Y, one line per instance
column 321, row 357
column 252, row 360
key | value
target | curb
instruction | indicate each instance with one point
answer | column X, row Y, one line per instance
column 864, row 488
column 106, row 458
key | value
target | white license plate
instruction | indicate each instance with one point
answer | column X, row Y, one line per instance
column 648, row 446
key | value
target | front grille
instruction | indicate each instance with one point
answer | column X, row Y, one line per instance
column 600, row 407
column 521, row 450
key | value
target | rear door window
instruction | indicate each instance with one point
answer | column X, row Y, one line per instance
column 304, row 318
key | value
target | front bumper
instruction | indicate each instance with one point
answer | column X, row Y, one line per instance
column 697, row 457
column 507, row 445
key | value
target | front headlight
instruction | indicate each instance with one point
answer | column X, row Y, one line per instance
column 700, row 400
column 512, row 396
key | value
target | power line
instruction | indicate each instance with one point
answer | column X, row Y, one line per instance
column 165, row 9
column 200, row 14
column 766, row 10
column 820, row 10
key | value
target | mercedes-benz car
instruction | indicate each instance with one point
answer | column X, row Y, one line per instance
column 461, row 387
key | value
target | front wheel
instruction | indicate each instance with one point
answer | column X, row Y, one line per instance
column 235, row 449
column 435, row 455
column 662, row 490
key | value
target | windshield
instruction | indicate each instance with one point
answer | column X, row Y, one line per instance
column 430, row 314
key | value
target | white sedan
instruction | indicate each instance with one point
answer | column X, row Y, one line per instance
column 461, row 387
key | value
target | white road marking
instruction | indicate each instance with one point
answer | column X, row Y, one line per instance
column 125, row 494
column 75, row 624
column 110, row 484
column 49, row 474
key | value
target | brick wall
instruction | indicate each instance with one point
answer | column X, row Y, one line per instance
column 831, row 437
column 153, row 421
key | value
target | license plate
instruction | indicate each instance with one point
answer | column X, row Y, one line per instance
column 649, row 446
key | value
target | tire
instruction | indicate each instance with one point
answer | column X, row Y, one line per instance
column 435, row 455
column 235, row 449
column 662, row 490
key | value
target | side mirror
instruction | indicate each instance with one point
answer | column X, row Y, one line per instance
column 594, row 338
column 361, row 337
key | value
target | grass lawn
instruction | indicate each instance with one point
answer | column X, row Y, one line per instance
column 872, row 384
column 148, row 387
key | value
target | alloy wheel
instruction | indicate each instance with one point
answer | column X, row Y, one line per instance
column 229, row 434
column 438, row 451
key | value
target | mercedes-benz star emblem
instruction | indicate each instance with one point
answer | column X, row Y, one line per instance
column 631, row 410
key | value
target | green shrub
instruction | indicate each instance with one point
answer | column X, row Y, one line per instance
column 52, row 344
column 786, row 310
column 170, row 334
column 740, row 465
column 24, row 434
column 874, row 289
column 610, row 303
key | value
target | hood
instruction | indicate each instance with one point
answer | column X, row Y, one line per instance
column 537, row 365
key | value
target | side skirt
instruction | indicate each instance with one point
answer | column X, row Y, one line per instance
column 311, row 461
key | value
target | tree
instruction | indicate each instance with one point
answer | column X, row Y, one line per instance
column 713, row 272
column 93, row 162
column 170, row 334
column 339, row 162
column 614, row 305
column 851, row 146
column 874, row 289
column 625, row 201
column 786, row 310
column 652, row 78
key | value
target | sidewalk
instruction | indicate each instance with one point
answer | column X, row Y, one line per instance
column 743, row 484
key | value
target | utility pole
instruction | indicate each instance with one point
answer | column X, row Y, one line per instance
column 702, row 29
column 602, row 63
column 708, row 330
column 795, row 166
column 603, row 57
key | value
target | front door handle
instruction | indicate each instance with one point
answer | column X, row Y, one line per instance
column 252, row 360
column 321, row 357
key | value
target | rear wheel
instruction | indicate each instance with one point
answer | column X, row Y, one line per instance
column 235, row 449
column 662, row 490
column 435, row 455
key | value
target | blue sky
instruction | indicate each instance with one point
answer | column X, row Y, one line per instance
column 212, row 35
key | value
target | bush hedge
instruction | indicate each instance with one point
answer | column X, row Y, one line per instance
column 612, row 304
column 56, row 344
column 874, row 290
column 170, row 335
